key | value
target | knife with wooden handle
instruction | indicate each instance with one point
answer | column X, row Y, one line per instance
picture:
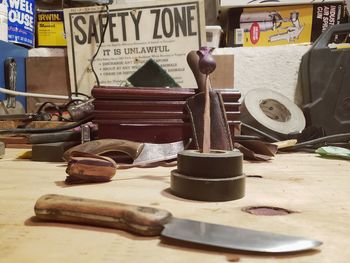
column 149, row 221
column 133, row 149
column 141, row 153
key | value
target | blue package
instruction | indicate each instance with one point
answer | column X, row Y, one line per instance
column 19, row 54
column 21, row 22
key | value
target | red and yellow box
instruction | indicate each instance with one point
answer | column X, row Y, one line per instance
column 279, row 25
column 50, row 29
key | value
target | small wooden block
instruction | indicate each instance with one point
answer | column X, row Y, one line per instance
column 222, row 77
column 51, row 152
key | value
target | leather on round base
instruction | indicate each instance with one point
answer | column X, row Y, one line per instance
column 207, row 189
column 215, row 164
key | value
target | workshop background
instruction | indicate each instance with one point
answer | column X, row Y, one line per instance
column 105, row 129
column 280, row 65
column 40, row 41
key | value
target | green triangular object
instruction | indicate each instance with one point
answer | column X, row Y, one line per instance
column 151, row 74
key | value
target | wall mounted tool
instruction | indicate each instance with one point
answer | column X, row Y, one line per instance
column 11, row 105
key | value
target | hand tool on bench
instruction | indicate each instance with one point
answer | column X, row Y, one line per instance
column 220, row 138
column 141, row 153
column 149, row 221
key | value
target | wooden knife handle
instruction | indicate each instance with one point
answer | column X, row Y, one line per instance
column 146, row 221
column 133, row 149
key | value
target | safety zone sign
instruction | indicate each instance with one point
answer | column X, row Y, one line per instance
column 164, row 31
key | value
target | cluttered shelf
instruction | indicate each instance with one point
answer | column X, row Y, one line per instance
column 311, row 193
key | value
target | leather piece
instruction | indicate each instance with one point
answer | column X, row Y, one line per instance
column 220, row 133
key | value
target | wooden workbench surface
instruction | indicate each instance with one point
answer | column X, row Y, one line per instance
column 316, row 189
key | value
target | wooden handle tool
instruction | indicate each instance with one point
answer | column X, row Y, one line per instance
column 149, row 221
column 146, row 221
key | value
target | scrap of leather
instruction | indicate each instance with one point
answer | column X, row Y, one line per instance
column 256, row 150
column 220, row 132
column 89, row 168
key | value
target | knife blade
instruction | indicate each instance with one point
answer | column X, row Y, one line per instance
column 149, row 221
column 141, row 153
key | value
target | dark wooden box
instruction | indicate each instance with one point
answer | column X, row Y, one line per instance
column 155, row 115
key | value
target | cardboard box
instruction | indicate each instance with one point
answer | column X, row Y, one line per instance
column 223, row 75
column 50, row 29
column 48, row 75
column 279, row 25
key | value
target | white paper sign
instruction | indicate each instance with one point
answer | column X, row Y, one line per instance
column 163, row 30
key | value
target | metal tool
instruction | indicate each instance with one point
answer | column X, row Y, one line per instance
column 141, row 153
column 10, row 80
column 12, row 106
column 149, row 221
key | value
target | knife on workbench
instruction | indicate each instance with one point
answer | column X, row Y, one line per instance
column 141, row 153
column 149, row 221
